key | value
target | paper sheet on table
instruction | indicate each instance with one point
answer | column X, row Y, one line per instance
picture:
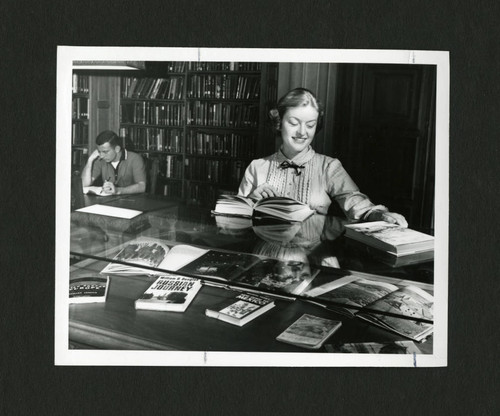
column 111, row 211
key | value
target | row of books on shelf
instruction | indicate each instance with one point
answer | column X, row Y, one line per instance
column 80, row 108
column 224, row 144
column 218, row 114
column 201, row 194
column 224, row 86
column 195, row 193
column 170, row 166
column 198, row 113
column 224, row 66
column 214, row 170
column 79, row 157
column 170, row 189
column 172, row 66
column 79, row 133
column 148, row 112
column 170, row 140
column 81, row 84
column 154, row 138
column 404, row 309
column 153, row 88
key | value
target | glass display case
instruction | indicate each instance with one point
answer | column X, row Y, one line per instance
column 304, row 268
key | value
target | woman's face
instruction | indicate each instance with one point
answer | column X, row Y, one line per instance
column 297, row 129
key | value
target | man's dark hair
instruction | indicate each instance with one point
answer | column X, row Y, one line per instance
column 108, row 136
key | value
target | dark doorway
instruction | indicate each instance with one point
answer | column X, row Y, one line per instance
column 385, row 135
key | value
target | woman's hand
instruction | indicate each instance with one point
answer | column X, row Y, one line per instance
column 390, row 217
column 263, row 191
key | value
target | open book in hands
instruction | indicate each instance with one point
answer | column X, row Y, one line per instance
column 277, row 207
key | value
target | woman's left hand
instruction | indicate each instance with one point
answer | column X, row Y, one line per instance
column 390, row 217
column 395, row 218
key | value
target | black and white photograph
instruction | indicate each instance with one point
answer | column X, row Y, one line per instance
column 151, row 140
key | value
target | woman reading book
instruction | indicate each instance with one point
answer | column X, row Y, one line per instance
column 297, row 171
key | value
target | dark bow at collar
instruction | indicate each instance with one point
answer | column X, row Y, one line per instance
column 286, row 164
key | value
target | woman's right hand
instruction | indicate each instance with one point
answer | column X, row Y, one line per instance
column 263, row 191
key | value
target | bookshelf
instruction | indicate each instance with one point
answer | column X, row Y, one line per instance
column 80, row 120
column 198, row 124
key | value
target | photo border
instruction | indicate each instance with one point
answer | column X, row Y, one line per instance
column 64, row 356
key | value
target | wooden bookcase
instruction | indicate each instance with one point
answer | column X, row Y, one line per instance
column 80, row 120
column 197, row 124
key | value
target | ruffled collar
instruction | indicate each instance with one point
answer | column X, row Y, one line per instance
column 299, row 159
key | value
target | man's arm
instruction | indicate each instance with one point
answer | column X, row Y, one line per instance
column 135, row 188
column 87, row 170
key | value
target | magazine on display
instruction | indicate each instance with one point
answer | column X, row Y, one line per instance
column 369, row 296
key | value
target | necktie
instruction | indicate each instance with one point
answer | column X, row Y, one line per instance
column 286, row 164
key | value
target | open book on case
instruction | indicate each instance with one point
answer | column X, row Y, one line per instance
column 390, row 238
column 277, row 208
column 154, row 254
column 371, row 296
column 253, row 272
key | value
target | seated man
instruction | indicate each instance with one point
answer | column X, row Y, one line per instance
column 121, row 171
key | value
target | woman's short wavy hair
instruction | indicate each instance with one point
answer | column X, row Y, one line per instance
column 297, row 97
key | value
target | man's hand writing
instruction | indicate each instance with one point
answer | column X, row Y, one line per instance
column 109, row 188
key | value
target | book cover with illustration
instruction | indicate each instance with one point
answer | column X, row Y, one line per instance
column 88, row 289
column 169, row 292
column 309, row 331
column 225, row 265
column 287, row 276
column 240, row 309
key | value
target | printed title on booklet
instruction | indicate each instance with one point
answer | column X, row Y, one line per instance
column 182, row 284
column 253, row 299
